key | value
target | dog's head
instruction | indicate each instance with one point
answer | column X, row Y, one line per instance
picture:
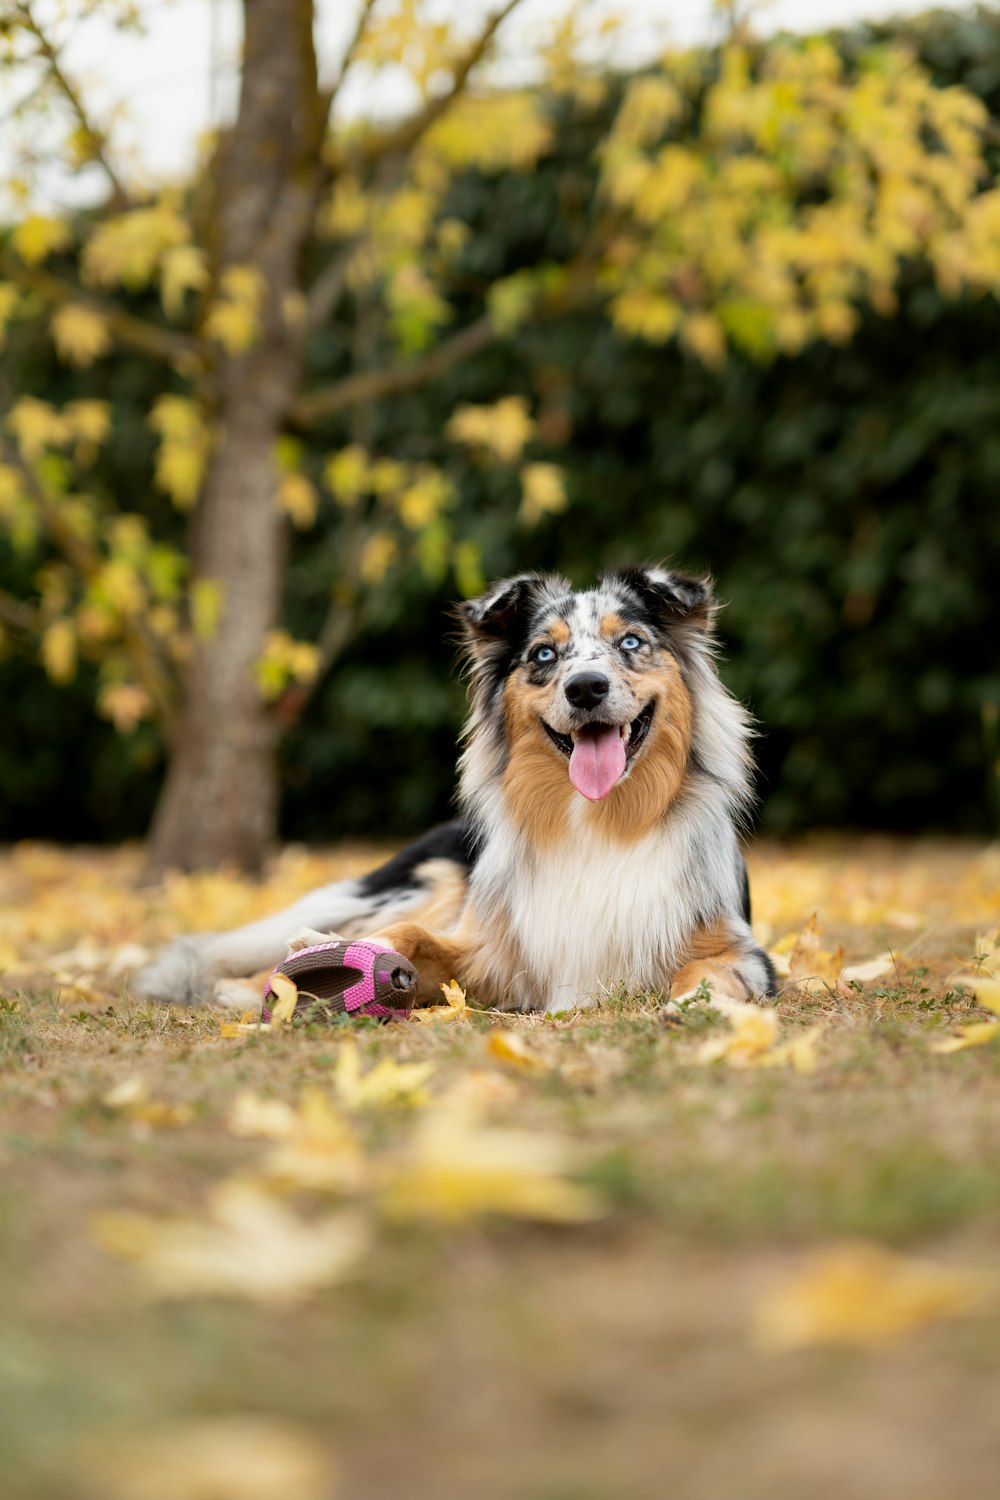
column 593, row 681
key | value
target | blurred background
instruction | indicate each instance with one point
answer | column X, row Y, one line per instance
column 302, row 345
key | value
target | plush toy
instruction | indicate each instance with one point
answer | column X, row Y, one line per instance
column 341, row 977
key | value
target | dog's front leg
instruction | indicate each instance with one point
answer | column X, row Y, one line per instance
column 724, row 956
column 437, row 959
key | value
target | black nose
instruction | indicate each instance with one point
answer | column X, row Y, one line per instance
column 586, row 689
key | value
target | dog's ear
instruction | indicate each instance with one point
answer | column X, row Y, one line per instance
column 504, row 613
column 670, row 598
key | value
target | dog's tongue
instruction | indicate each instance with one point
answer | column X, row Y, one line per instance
column 598, row 760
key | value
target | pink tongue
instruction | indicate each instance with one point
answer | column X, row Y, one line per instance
column 598, row 760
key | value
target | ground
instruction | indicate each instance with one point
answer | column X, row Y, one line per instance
column 582, row 1287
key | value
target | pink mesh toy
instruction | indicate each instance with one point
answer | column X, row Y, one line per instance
column 341, row 977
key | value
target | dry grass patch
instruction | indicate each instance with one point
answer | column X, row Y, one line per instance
column 579, row 1325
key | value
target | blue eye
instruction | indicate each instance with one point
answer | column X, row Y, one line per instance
column 544, row 655
column 630, row 643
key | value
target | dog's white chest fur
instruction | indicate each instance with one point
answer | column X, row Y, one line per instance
column 592, row 914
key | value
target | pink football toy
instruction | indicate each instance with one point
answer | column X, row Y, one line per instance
column 360, row 978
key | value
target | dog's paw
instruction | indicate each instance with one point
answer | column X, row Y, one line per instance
column 308, row 937
column 179, row 974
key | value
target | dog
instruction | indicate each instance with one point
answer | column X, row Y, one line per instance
column 603, row 784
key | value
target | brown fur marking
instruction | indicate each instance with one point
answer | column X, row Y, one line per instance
column 535, row 781
column 657, row 774
column 712, row 956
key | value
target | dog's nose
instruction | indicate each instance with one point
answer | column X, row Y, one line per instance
column 586, row 689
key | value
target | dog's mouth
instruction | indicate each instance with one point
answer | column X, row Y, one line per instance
column 600, row 754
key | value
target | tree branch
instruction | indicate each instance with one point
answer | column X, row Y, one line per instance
column 148, row 338
column 328, row 288
column 328, row 95
column 406, row 135
column 370, row 385
column 96, row 138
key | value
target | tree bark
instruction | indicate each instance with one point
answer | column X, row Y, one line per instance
column 220, row 797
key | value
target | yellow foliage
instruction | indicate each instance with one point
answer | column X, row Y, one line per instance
column 346, row 473
column 36, row 426
column 285, row 660
column 387, row 1084
column 234, row 318
column 377, row 556
column 81, row 335
column 38, row 236
column 297, row 497
column 423, row 500
column 502, row 429
column 59, row 651
column 182, row 270
column 90, row 421
column 126, row 704
column 492, row 132
column 128, row 248
column 184, row 447
column 543, row 492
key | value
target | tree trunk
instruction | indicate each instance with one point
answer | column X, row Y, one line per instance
column 220, row 798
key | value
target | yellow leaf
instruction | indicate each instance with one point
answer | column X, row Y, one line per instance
column 184, row 448
column 126, row 704
column 987, row 990
column 388, row 1083
column 456, row 1169
column 287, row 992
column 81, row 335
column 90, row 421
column 813, row 967
column 543, row 492
column 234, row 318
column 182, row 270
column 377, row 556
column 799, row 1053
column 753, row 1031
column 250, row 1247
column 59, row 651
column 976, row 1034
column 298, row 499
column 502, row 429
column 873, row 969
column 36, row 425
column 321, row 1151
column 39, row 236
column 242, row 1457
column 129, row 247
column 253, row 1116
column 864, row 1294
column 510, row 1047
column 131, row 1098
column 455, row 1007
column 205, row 603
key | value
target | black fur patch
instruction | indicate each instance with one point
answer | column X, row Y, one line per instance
column 454, row 841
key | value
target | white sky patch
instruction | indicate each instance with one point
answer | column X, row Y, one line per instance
column 163, row 90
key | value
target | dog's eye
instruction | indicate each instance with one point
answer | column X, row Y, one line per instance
column 630, row 643
column 544, row 655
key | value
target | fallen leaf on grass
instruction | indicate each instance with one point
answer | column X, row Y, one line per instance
column 287, row 992
column 131, row 1099
column 456, row 1006
column 251, row 1457
column 455, row 1168
column 253, row 1116
column 863, row 1294
column 511, row 1047
column 976, row 1034
column 250, row 1247
column 752, row 1041
column 388, row 1083
column 320, row 1151
column 873, row 969
column 811, row 966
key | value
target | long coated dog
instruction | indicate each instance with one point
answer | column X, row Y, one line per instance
column 604, row 776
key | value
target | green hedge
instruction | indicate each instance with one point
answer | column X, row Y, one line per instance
column 845, row 502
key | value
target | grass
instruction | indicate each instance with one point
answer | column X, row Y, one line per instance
column 606, row 1361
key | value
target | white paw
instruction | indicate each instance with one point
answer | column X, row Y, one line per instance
column 308, row 937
